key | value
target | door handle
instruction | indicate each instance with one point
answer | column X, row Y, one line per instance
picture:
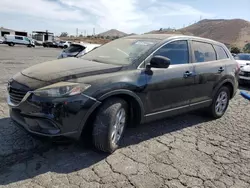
column 221, row 69
column 188, row 74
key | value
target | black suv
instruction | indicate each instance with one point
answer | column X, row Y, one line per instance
column 131, row 80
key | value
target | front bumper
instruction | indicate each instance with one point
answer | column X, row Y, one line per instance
column 57, row 117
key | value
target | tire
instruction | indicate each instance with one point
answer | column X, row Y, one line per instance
column 103, row 135
column 219, row 107
column 65, row 46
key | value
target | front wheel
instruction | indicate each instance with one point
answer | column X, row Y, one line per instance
column 220, row 103
column 110, row 124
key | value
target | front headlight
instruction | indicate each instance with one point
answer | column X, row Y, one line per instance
column 61, row 89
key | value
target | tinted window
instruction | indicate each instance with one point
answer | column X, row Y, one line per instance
column 176, row 51
column 221, row 54
column 203, row 52
column 19, row 38
column 74, row 48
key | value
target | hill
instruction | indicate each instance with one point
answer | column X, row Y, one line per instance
column 113, row 33
column 233, row 32
column 230, row 32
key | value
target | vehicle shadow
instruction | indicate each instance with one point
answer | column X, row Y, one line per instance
column 68, row 158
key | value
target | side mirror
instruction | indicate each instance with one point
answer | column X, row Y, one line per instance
column 160, row 62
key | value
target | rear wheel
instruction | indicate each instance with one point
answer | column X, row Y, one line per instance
column 11, row 44
column 220, row 103
column 110, row 124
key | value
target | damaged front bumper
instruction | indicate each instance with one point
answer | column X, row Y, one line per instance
column 53, row 117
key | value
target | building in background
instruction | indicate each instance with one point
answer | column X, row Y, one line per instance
column 5, row 31
column 42, row 36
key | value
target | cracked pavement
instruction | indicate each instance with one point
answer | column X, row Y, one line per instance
column 184, row 151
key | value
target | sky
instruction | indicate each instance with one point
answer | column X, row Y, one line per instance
column 130, row 16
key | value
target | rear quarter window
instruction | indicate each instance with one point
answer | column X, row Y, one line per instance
column 221, row 53
column 203, row 52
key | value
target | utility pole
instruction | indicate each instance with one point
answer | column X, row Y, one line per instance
column 93, row 31
column 76, row 32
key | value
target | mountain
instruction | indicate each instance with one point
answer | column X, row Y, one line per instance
column 230, row 32
column 113, row 33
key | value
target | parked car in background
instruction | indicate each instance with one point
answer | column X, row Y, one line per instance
column 77, row 50
column 244, row 76
column 243, row 59
column 12, row 40
column 64, row 44
column 50, row 44
column 1, row 40
column 131, row 80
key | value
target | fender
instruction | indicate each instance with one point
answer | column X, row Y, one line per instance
column 218, row 86
column 125, row 92
column 99, row 102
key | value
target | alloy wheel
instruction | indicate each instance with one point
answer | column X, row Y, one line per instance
column 119, row 126
column 221, row 103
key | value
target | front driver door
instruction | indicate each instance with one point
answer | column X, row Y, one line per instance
column 168, row 90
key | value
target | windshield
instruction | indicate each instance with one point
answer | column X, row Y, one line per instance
column 121, row 51
column 245, row 57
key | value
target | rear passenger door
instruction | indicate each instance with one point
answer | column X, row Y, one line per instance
column 209, row 66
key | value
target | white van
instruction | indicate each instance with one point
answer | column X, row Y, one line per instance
column 11, row 40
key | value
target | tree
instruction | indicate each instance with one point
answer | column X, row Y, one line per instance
column 246, row 48
column 64, row 34
column 235, row 50
column 80, row 35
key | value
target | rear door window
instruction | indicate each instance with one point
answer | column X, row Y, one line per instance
column 221, row 54
column 176, row 51
column 203, row 52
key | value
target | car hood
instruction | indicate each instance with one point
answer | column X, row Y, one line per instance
column 68, row 68
column 243, row 62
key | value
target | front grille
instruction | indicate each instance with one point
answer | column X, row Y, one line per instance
column 16, row 95
column 17, row 92
column 246, row 74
